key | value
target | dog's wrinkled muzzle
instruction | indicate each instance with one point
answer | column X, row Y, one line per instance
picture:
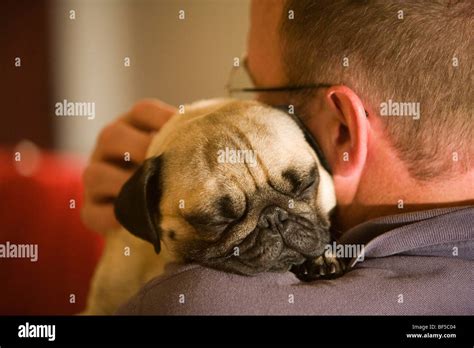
column 281, row 240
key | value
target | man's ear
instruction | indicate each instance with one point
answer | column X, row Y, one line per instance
column 348, row 142
column 137, row 205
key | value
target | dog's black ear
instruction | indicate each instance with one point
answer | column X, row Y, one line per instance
column 137, row 205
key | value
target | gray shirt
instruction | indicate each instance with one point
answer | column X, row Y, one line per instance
column 418, row 263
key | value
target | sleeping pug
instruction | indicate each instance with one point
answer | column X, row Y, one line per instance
column 232, row 185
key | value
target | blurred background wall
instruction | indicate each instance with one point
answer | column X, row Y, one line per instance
column 83, row 60
column 25, row 75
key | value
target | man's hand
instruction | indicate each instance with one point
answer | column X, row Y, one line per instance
column 108, row 171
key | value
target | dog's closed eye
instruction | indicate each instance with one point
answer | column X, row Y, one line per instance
column 301, row 183
column 208, row 222
column 227, row 208
column 224, row 211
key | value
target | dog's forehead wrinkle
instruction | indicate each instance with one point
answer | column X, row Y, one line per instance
column 174, row 128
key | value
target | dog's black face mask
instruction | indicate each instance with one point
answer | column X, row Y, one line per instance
column 281, row 238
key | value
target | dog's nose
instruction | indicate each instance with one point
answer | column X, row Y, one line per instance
column 272, row 216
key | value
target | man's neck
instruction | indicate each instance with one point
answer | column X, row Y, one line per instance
column 386, row 197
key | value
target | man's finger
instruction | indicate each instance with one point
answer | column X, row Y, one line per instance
column 103, row 181
column 149, row 114
column 118, row 140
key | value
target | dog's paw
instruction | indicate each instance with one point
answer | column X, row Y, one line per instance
column 326, row 266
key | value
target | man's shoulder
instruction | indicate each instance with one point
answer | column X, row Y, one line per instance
column 391, row 285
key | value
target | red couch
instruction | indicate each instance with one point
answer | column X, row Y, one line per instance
column 36, row 209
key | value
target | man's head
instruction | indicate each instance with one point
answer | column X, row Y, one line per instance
column 386, row 59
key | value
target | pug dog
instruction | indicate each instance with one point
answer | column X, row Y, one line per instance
column 233, row 185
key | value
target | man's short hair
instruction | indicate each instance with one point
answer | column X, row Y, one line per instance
column 397, row 51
